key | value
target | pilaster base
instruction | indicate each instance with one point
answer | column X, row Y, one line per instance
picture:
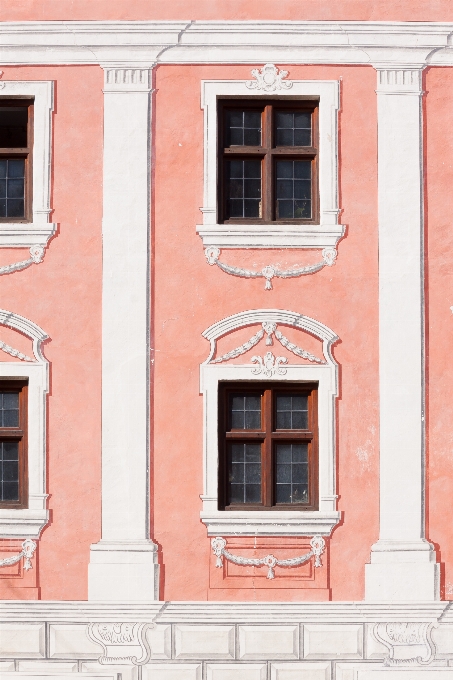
column 123, row 572
column 402, row 571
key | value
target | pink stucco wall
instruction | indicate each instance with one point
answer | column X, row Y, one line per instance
column 296, row 10
column 190, row 296
column 63, row 296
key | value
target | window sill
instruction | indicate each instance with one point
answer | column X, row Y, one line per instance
column 271, row 235
column 26, row 234
column 280, row 523
column 22, row 523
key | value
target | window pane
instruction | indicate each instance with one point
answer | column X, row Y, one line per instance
column 244, row 473
column 293, row 128
column 293, row 189
column 243, row 128
column 13, row 126
column 291, row 462
column 245, row 411
column 292, row 412
column 9, row 471
column 243, row 188
column 9, row 409
column 12, row 187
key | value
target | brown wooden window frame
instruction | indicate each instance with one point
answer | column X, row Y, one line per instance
column 268, row 153
column 19, row 434
column 22, row 152
column 266, row 436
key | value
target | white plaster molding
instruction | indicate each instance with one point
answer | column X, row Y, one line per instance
column 324, row 235
column 403, row 563
column 28, row 549
column 29, row 522
column 123, row 643
column 269, row 79
column 269, row 365
column 14, row 352
column 37, row 233
column 409, row 643
column 212, row 254
column 218, row 546
column 281, row 522
column 123, row 564
column 37, row 256
column 138, row 43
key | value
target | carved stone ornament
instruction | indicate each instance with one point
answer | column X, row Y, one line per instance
column 408, row 643
column 36, row 257
column 269, row 79
column 270, row 329
column 212, row 254
column 218, row 546
column 269, row 365
column 27, row 552
column 123, row 643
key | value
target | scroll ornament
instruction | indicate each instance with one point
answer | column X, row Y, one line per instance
column 123, row 643
column 409, row 644
column 218, row 545
column 27, row 552
column 36, row 257
column 270, row 329
column 212, row 254
column 269, row 79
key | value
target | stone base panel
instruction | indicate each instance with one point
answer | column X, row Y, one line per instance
column 236, row 641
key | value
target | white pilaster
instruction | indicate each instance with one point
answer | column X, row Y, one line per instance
column 123, row 565
column 402, row 561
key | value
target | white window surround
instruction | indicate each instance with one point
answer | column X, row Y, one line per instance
column 29, row 522
column 39, row 231
column 323, row 235
column 261, row 523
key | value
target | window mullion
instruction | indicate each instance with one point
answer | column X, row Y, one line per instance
column 267, row 182
column 267, row 482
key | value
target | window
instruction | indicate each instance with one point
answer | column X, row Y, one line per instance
column 13, row 444
column 289, row 501
column 257, row 151
column 24, row 384
column 16, row 142
column 268, row 162
column 268, row 447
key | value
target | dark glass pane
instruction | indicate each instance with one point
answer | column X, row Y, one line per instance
column 244, row 473
column 12, row 187
column 16, row 167
column 9, row 409
column 10, row 491
column 283, row 493
column 293, row 189
column 293, row 128
column 243, row 188
column 16, row 188
column 243, row 128
column 13, row 126
column 292, row 412
column 237, row 453
column 291, row 463
column 253, row 493
column 10, row 450
column 245, row 412
column 10, row 471
column 15, row 208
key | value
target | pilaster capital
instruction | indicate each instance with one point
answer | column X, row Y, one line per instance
column 127, row 78
column 399, row 79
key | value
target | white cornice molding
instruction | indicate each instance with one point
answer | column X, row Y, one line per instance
column 141, row 43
